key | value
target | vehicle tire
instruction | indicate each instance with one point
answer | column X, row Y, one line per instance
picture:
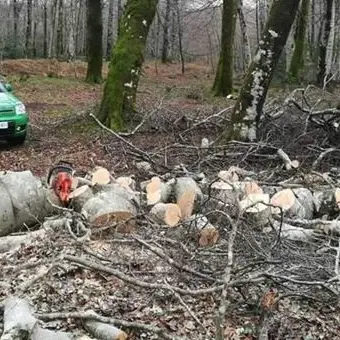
column 17, row 140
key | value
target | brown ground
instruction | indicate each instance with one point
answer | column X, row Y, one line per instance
column 59, row 102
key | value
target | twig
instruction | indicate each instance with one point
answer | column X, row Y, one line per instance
column 189, row 311
column 146, row 117
column 96, row 266
column 226, row 280
column 91, row 315
column 139, row 151
column 173, row 263
column 322, row 156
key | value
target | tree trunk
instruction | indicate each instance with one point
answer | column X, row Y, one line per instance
column 166, row 24
column 28, row 42
column 15, row 27
column 297, row 62
column 45, row 30
column 94, row 42
column 54, row 17
column 60, row 38
column 180, row 35
column 120, row 11
column 326, row 27
column 35, row 25
column 127, row 58
column 109, row 42
column 248, row 108
column 71, row 47
column 223, row 84
column 245, row 37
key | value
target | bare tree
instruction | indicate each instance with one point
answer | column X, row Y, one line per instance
column 94, row 42
column 166, row 24
column 223, row 84
column 297, row 61
column 109, row 43
column 28, row 41
column 247, row 111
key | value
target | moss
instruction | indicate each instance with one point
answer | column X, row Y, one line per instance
column 297, row 62
column 223, row 84
column 120, row 89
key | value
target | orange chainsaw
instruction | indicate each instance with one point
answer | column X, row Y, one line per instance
column 60, row 179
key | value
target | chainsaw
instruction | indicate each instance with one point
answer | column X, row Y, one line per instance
column 60, row 179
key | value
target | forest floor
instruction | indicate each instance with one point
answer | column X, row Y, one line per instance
column 59, row 104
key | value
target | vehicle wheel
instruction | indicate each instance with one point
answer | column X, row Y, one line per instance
column 17, row 140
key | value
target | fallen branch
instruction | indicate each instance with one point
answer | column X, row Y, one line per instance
column 91, row 315
column 139, row 151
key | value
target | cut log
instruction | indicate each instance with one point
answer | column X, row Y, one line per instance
column 188, row 196
column 103, row 331
column 208, row 234
column 20, row 323
column 306, row 199
column 126, row 182
column 327, row 202
column 27, row 197
column 18, row 319
column 7, row 219
column 286, row 201
column 225, row 192
column 256, row 208
column 80, row 196
column 168, row 213
column 292, row 233
column 157, row 191
column 251, row 187
column 100, row 176
column 228, row 176
column 115, row 206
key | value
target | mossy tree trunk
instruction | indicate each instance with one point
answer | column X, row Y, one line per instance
column 120, row 89
column 247, row 111
column 223, row 84
column 323, row 42
column 297, row 62
column 94, row 26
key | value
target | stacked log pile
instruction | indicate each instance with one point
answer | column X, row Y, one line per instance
column 105, row 201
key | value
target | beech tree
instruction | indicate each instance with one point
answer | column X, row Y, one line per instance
column 297, row 61
column 223, row 84
column 323, row 42
column 94, row 41
column 127, row 57
column 247, row 111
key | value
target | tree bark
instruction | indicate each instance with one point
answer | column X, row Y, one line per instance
column 297, row 61
column 94, row 42
column 127, row 58
column 16, row 13
column 166, row 24
column 247, row 111
column 245, row 37
column 60, row 36
column 45, row 51
column 326, row 28
column 28, row 42
column 223, row 84
column 109, row 30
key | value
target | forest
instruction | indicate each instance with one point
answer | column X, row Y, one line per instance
column 169, row 169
